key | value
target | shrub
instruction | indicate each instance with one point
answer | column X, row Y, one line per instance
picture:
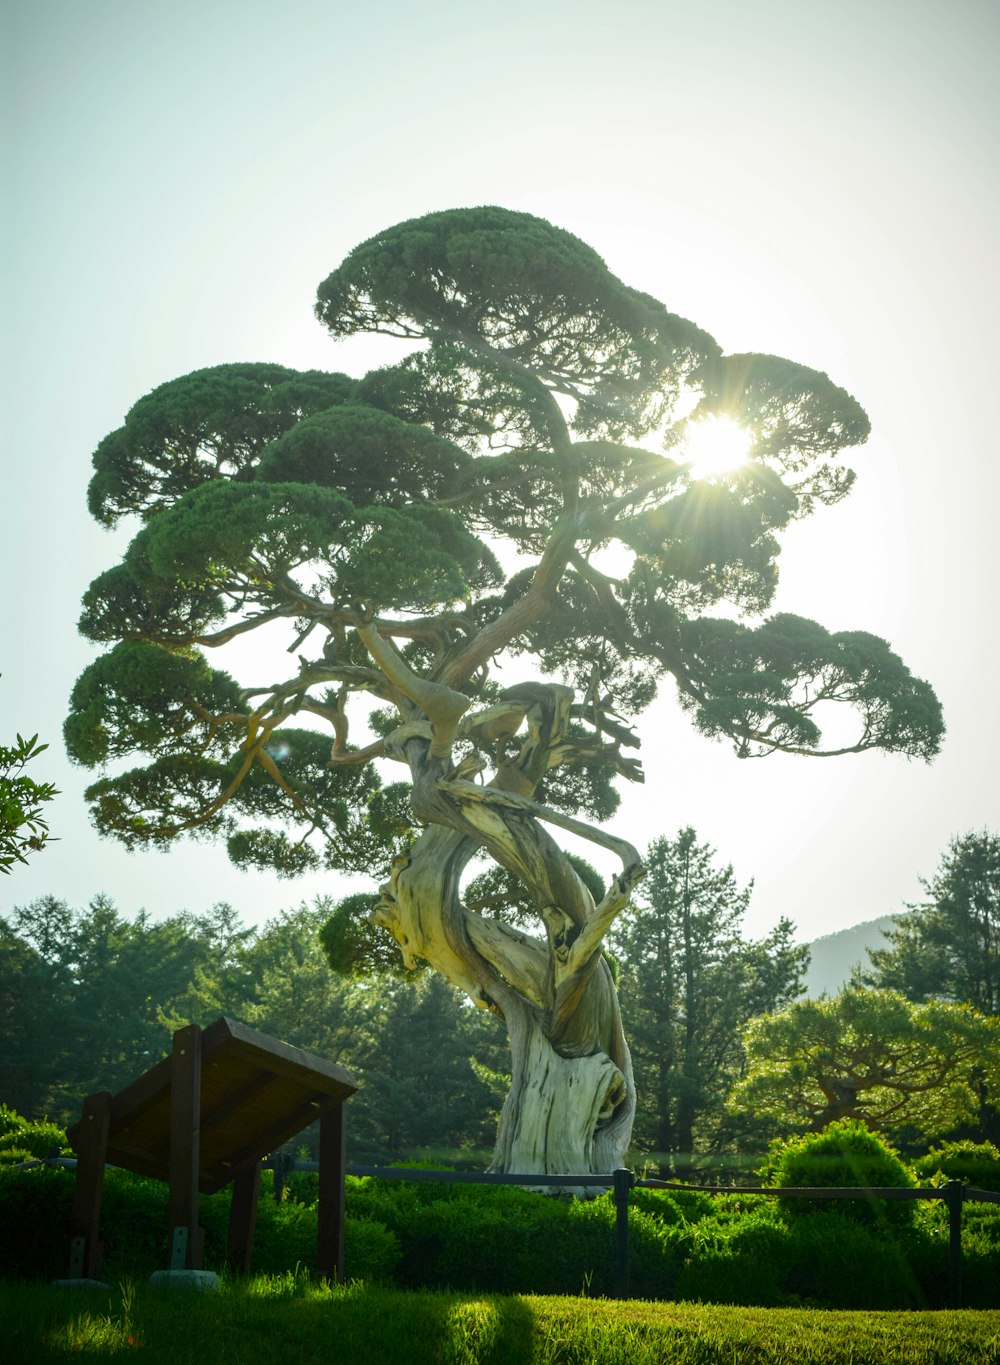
column 24, row 1139
column 10, row 1119
column 837, row 1262
column 743, row 1260
column 37, row 1203
column 733, row 1248
column 977, row 1163
column 673, row 1206
column 508, row 1240
column 285, row 1238
column 34, row 1212
column 502, row 1239
column 845, row 1154
column 656, row 1250
column 981, row 1255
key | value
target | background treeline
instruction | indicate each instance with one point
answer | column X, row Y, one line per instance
column 89, row 998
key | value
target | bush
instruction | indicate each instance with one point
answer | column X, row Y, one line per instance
column 674, row 1206
column 38, row 1201
column 502, row 1239
column 285, row 1238
column 981, row 1255
column 508, row 1240
column 34, row 1212
column 845, row 1154
column 10, row 1119
column 742, row 1260
column 838, row 1262
column 24, row 1139
column 730, row 1248
column 977, row 1163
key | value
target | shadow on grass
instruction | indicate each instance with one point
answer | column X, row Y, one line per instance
column 264, row 1322
column 288, row 1319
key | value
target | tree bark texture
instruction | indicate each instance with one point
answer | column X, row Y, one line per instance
column 572, row 1097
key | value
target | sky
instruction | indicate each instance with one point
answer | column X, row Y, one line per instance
column 809, row 178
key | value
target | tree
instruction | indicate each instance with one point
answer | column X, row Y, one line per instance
column 948, row 947
column 23, row 828
column 292, row 994
column 689, row 983
column 35, row 994
column 873, row 1056
column 88, row 999
column 353, row 527
column 422, row 1086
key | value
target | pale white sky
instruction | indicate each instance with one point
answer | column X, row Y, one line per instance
column 817, row 180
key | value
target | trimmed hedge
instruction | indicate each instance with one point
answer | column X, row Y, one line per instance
column 37, row 1202
column 726, row 1248
column 977, row 1163
column 846, row 1154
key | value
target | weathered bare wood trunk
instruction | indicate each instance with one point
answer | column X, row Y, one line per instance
column 572, row 1095
column 569, row 1115
column 572, row 1100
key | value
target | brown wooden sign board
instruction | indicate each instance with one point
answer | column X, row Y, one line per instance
column 205, row 1116
column 256, row 1093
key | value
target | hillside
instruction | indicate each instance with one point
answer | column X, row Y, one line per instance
column 833, row 955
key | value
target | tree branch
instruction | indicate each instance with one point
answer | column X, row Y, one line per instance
column 442, row 705
column 471, row 796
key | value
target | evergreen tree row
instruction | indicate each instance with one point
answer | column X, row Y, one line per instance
column 726, row 1055
column 89, row 999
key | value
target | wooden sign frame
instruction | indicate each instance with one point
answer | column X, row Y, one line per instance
column 205, row 1117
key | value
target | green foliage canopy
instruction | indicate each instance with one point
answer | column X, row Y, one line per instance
column 847, row 1154
column 690, row 981
column 89, row 998
column 948, row 946
column 870, row 1055
column 462, row 502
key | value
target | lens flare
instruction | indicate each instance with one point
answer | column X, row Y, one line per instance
column 714, row 446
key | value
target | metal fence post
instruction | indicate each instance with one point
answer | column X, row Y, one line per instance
column 623, row 1183
column 953, row 1191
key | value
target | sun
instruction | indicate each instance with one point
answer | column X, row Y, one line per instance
column 715, row 445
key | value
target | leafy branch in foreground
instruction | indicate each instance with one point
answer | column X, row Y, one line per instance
column 23, row 828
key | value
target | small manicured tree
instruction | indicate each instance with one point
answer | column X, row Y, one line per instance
column 977, row 1163
column 873, row 1056
column 846, row 1155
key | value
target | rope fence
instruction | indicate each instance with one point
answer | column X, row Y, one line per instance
column 954, row 1193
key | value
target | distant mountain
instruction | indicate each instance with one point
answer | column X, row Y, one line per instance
column 832, row 956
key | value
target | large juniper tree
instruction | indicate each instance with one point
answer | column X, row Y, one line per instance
column 389, row 539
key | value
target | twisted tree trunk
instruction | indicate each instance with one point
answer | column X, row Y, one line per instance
column 572, row 1098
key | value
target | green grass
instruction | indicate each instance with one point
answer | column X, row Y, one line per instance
column 273, row 1320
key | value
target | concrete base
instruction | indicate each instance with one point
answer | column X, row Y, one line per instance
column 184, row 1279
column 80, row 1284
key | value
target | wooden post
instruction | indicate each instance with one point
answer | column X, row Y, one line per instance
column 330, row 1221
column 243, row 1218
column 622, row 1185
column 184, row 1248
column 953, row 1198
column 86, row 1248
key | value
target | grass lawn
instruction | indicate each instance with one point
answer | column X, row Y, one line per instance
column 271, row 1320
